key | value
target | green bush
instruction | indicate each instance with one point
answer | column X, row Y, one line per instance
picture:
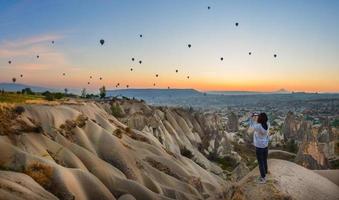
column 291, row 146
column 116, row 111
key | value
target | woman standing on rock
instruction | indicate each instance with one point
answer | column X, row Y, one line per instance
column 260, row 141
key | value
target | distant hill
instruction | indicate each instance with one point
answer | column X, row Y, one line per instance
column 282, row 91
column 151, row 93
column 13, row 87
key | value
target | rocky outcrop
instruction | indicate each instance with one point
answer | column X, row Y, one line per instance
column 232, row 123
column 290, row 127
column 286, row 180
column 194, row 134
column 311, row 156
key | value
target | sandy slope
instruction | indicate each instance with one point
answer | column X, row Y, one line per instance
column 286, row 181
column 332, row 175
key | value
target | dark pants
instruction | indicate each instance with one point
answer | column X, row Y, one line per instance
column 262, row 160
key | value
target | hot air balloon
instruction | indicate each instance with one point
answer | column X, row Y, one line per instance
column 275, row 55
column 131, row 69
column 88, row 83
column 236, row 24
column 156, row 75
column 140, row 61
column 208, row 7
column 189, row 45
column 140, row 35
column 127, row 86
column 14, row 80
column 249, row 53
column 64, row 74
column 9, row 62
column 176, row 71
column 102, row 41
column 90, row 77
column 118, row 84
column 153, row 84
column 21, row 75
column 37, row 56
column 100, row 78
column 188, row 77
column 133, row 59
column 168, row 87
column 221, row 58
column 52, row 41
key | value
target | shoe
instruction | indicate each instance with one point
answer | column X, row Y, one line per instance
column 262, row 180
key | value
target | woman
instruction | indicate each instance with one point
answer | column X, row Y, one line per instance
column 260, row 141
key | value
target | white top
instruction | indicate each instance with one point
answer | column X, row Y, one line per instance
column 260, row 135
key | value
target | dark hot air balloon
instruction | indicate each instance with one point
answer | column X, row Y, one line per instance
column 127, row 86
column 249, row 53
column 153, row 84
column 9, row 62
column 275, row 55
column 100, row 78
column 236, row 24
column 221, row 58
column 133, row 59
column 102, row 41
column 131, row 69
column 21, row 75
column 140, row 61
column 176, row 71
column 14, row 80
column 188, row 77
column 140, row 35
column 189, row 45
column 64, row 74
column 90, row 77
column 52, row 41
column 208, row 7
column 37, row 56
column 156, row 75
column 88, row 83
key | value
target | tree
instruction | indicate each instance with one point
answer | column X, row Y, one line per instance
column 83, row 93
column 27, row 91
column 102, row 92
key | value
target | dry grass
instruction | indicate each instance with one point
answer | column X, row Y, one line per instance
column 41, row 173
column 11, row 123
column 118, row 133
column 10, row 97
column 161, row 167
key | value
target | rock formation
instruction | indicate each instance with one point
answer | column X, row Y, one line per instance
column 81, row 151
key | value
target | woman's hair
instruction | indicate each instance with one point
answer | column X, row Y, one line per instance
column 262, row 119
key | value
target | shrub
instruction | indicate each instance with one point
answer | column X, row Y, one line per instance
column 118, row 133
column 291, row 146
column 185, row 152
column 40, row 172
column 49, row 97
column 116, row 111
column 128, row 129
column 19, row 110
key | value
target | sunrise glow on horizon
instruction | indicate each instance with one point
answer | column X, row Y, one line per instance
column 303, row 34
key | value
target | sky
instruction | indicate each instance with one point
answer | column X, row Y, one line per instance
column 303, row 34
